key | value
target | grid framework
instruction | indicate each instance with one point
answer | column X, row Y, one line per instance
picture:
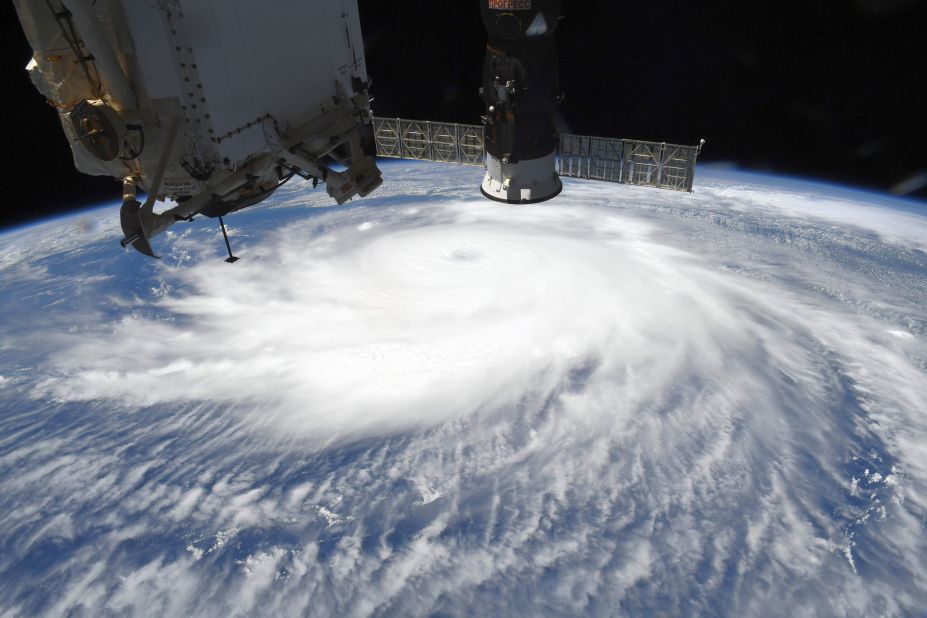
column 625, row 161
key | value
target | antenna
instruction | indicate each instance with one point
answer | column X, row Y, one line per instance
column 231, row 258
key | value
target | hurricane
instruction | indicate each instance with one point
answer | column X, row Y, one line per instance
column 621, row 402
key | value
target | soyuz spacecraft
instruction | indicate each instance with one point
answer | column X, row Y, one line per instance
column 215, row 107
column 520, row 91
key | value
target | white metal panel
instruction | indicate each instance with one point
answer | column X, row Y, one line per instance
column 157, row 75
column 277, row 57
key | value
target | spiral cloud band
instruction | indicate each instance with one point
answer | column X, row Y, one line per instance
column 621, row 402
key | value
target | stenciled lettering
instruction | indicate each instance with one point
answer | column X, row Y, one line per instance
column 510, row 5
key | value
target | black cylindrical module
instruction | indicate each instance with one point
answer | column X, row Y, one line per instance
column 520, row 91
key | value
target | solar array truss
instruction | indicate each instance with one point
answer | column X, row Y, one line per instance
column 649, row 164
column 445, row 142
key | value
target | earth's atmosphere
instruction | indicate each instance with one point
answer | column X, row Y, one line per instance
column 622, row 402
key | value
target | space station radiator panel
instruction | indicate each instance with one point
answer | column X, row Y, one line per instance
column 649, row 164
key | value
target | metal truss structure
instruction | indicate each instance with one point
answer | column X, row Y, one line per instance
column 444, row 142
column 649, row 164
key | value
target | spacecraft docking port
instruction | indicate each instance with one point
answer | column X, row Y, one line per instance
column 520, row 91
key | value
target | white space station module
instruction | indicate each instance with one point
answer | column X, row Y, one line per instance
column 211, row 106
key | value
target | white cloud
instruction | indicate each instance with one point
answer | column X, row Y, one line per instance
column 405, row 325
column 659, row 404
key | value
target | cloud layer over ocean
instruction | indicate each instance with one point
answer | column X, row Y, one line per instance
column 625, row 401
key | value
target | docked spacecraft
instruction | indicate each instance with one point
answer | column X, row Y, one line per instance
column 212, row 107
column 520, row 91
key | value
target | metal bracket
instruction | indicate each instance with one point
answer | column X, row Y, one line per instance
column 138, row 220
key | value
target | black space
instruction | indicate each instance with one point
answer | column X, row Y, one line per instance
column 827, row 89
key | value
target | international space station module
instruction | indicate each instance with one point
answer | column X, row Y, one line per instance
column 212, row 107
